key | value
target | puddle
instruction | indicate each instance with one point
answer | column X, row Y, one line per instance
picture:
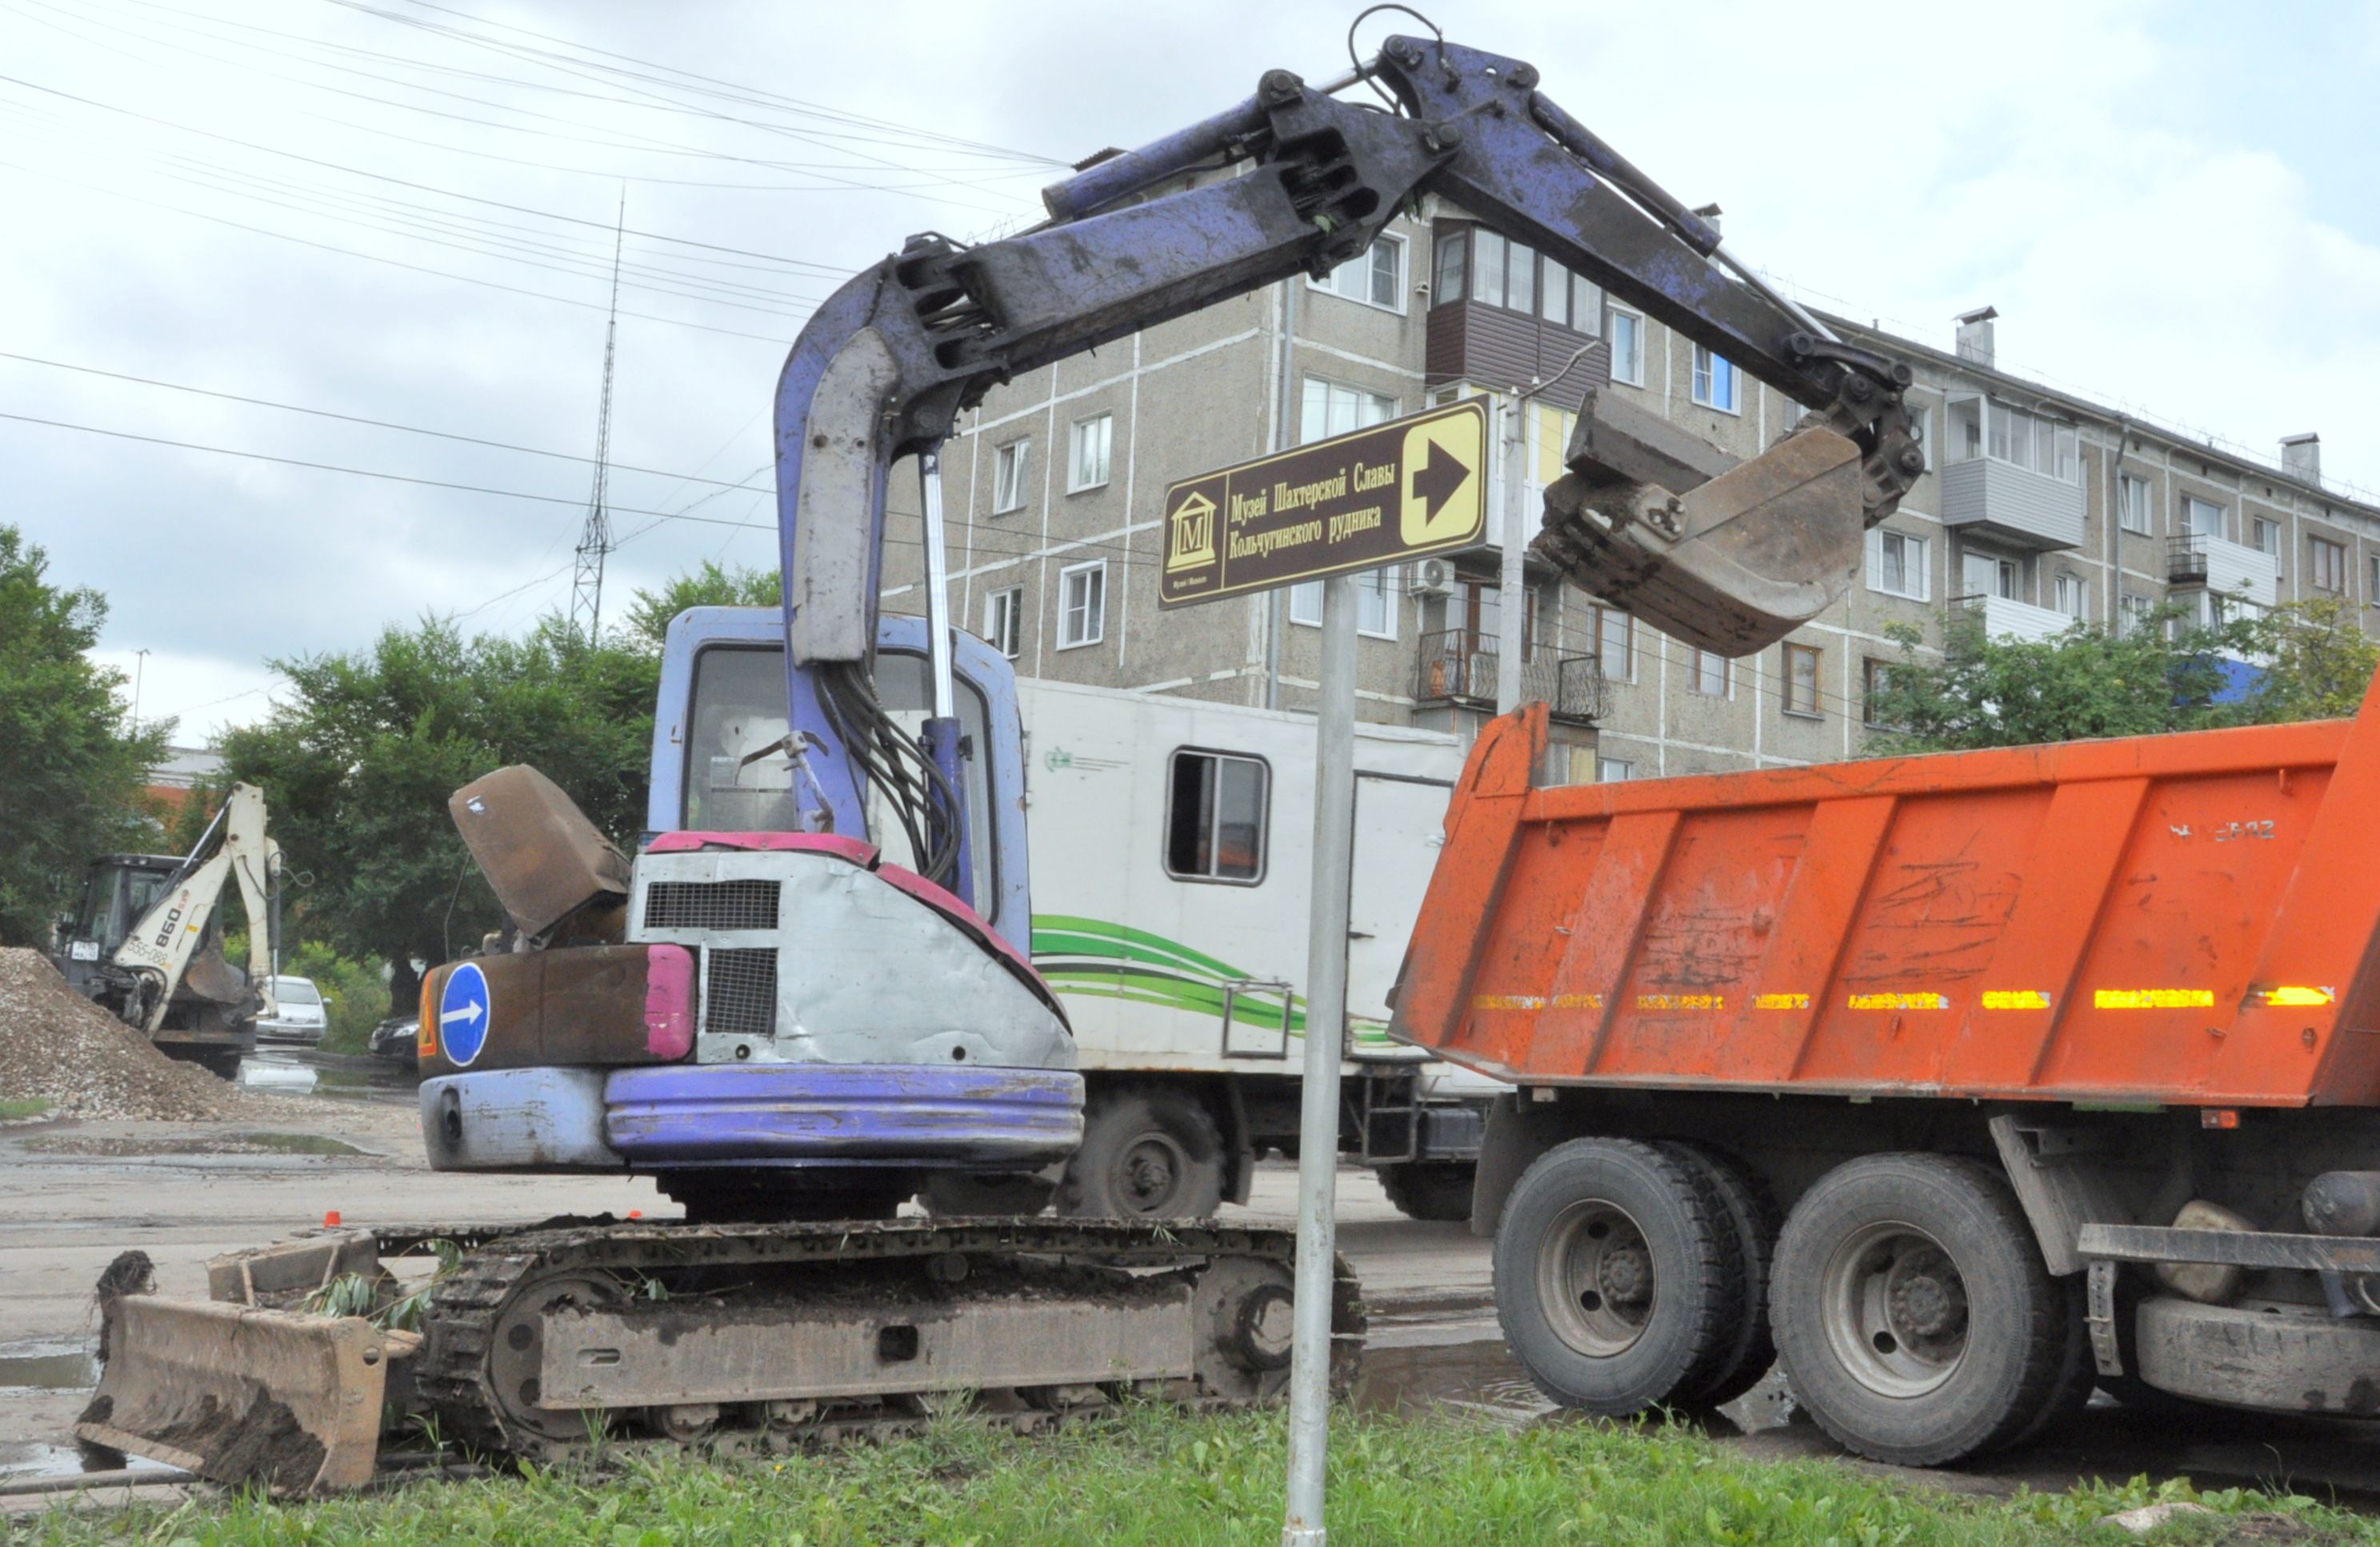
column 47, row 1367
column 1483, row 1377
column 261, row 1073
column 25, row 1460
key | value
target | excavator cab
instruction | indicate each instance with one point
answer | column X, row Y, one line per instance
column 210, row 1016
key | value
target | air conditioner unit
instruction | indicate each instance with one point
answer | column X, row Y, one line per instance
column 1432, row 577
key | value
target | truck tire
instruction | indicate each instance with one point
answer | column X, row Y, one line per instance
column 1618, row 1280
column 1432, row 1190
column 1148, row 1152
column 1753, row 1213
column 221, row 1062
column 1911, row 1310
column 2078, row 1372
column 949, row 1194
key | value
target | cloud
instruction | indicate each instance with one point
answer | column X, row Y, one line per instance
column 2081, row 167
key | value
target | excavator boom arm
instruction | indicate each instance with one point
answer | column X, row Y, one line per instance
column 887, row 364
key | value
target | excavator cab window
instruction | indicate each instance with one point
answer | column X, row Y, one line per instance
column 739, row 708
column 116, row 898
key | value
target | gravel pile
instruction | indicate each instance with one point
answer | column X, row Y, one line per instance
column 58, row 1045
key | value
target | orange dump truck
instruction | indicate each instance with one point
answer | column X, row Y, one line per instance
column 1958, row 1083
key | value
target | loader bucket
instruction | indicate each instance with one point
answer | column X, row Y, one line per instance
column 239, row 1395
column 1728, row 557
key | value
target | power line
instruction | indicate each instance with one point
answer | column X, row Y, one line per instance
column 357, row 418
column 357, row 472
column 378, row 177
column 399, row 263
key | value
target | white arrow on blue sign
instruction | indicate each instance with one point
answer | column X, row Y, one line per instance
column 464, row 1008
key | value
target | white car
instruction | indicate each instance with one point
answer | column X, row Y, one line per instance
column 304, row 1016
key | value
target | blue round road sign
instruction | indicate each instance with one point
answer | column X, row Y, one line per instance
column 464, row 1008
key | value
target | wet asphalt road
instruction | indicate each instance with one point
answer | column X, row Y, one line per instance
column 66, row 1208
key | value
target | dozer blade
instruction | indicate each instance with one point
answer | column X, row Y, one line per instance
column 1725, row 556
column 238, row 1395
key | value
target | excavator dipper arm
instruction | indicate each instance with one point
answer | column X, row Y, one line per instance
column 886, row 364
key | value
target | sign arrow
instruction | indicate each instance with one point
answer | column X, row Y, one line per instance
column 470, row 1012
column 1439, row 476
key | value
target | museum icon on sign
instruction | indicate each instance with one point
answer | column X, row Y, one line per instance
column 1194, row 533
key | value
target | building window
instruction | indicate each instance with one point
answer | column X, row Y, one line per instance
column 1374, row 276
column 1376, row 607
column 2069, row 596
column 2132, row 612
column 1613, row 770
column 1987, row 575
column 2201, row 518
column 1709, row 674
column 1453, row 268
column 2133, row 503
column 1003, row 620
column 1088, row 468
column 1717, row 385
column 1896, row 564
column 2029, row 440
column 2325, row 564
column 1008, row 466
column 2373, row 593
column 1215, row 817
column 1330, row 409
column 1875, row 677
column 1082, row 604
column 1615, row 644
column 1627, row 347
column 1376, row 604
column 2264, row 535
column 1802, row 679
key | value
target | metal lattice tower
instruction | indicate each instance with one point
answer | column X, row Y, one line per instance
column 595, row 539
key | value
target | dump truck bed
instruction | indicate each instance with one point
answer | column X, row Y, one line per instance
column 2183, row 919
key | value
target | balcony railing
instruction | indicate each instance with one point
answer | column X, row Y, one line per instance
column 2005, row 618
column 1454, row 667
column 2220, row 564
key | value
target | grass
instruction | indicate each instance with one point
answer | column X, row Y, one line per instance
column 17, row 1108
column 1152, row 1476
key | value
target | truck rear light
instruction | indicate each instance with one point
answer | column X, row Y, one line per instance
column 2218, row 1116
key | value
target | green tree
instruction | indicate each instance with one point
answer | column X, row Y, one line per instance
column 712, row 586
column 2318, row 659
column 358, row 760
column 71, row 775
column 2161, row 674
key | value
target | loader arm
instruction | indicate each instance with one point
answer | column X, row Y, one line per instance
column 889, row 361
column 234, row 847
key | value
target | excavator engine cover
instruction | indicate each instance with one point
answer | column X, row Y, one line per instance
column 544, row 859
column 1729, row 557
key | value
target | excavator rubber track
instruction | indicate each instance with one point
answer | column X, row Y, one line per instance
column 549, row 1343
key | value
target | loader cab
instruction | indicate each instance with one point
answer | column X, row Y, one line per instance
column 117, row 890
column 721, row 711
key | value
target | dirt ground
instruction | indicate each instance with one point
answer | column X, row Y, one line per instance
column 75, row 1193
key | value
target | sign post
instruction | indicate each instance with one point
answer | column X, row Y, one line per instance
column 1326, row 511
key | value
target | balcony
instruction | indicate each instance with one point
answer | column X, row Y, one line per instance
column 2195, row 559
column 2015, row 505
column 2006, row 618
column 1453, row 667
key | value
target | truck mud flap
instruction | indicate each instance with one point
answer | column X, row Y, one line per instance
column 239, row 1395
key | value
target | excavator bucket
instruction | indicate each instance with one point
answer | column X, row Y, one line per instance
column 1728, row 557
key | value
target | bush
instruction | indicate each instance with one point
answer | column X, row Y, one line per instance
column 358, row 993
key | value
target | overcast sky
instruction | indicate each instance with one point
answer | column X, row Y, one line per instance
column 401, row 211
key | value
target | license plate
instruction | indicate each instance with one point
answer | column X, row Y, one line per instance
column 83, row 950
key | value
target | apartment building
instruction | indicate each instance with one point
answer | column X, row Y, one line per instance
column 2039, row 507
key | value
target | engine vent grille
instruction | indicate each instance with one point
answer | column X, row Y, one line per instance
column 713, row 905
column 739, row 993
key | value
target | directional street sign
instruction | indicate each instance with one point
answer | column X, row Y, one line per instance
column 464, row 1006
column 1398, row 490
